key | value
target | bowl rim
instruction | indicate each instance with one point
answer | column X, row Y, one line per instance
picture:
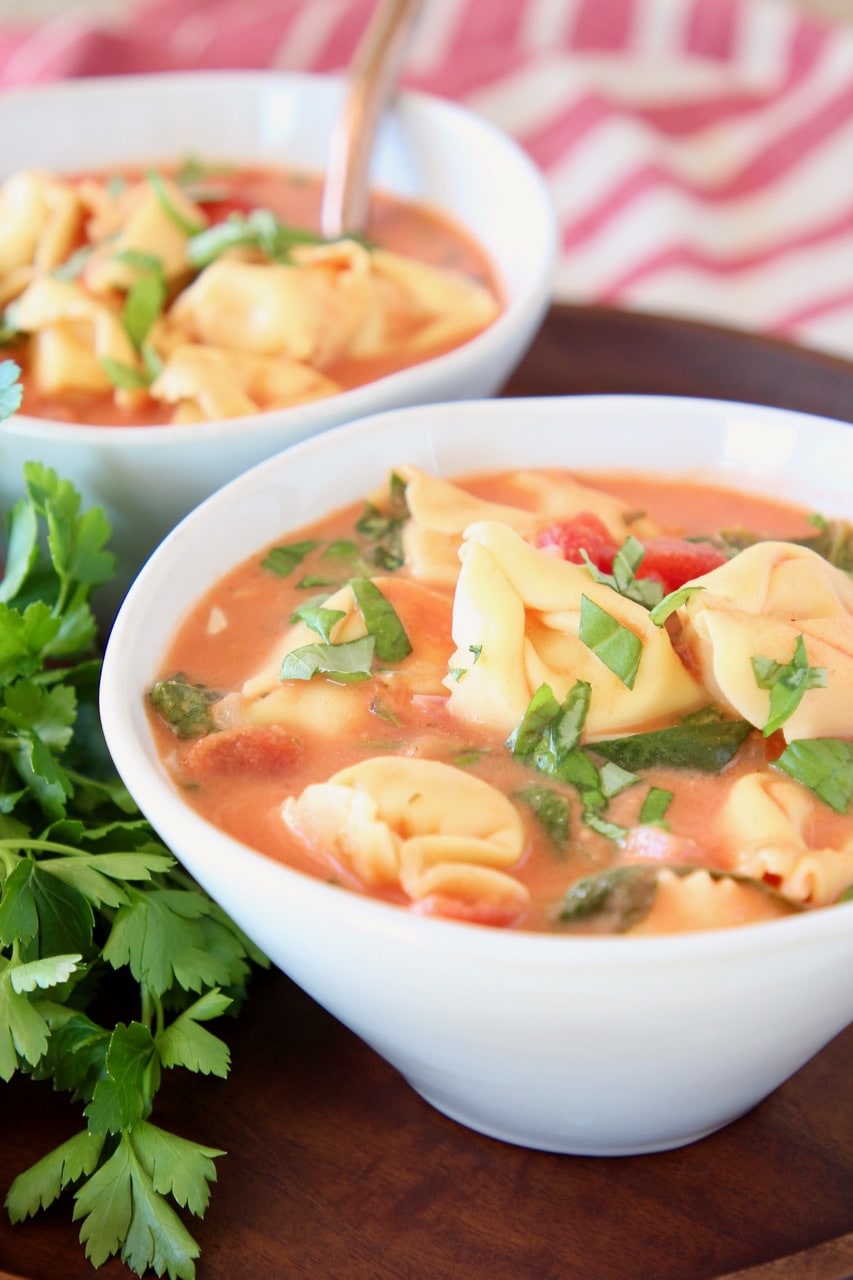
column 348, row 404
column 148, row 782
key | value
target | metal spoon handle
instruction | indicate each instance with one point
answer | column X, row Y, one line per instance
column 372, row 77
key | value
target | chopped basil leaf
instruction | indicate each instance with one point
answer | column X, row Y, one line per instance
column 824, row 765
column 284, row 559
column 142, row 306
column 552, row 810
column 382, row 621
column 629, row 557
column 456, row 673
column 689, row 745
column 385, row 529
column 787, row 682
column 319, row 619
column 625, row 894
column 654, row 807
column 614, row 779
column 344, row 663
column 604, row 828
column 186, row 708
column 151, row 361
column 542, row 709
column 547, row 739
column 548, row 723
column 260, row 229
column 182, row 223
column 125, row 376
column 312, row 580
column 671, row 602
column 616, row 646
column 347, row 556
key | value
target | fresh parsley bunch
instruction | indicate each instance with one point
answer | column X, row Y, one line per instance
column 93, row 906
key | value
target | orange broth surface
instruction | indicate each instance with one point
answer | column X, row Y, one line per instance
column 242, row 792
column 400, row 226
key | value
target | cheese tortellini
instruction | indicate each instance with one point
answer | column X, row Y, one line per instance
column 516, row 618
column 440, row 511
column 419, row 825
column 757, row 605
column 764, row 825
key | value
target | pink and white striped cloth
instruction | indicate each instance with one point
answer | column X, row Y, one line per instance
column 700, row 152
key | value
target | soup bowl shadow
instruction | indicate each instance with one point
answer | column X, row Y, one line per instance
column 588, row 1045
column 428, row 151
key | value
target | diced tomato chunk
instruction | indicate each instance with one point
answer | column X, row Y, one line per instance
column 584, row 532
column 264, row 750
column 674, row 561
column 671, row 561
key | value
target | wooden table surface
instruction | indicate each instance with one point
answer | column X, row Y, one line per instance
column 336, row 1170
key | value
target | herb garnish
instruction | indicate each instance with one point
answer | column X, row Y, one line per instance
column 824, row 765
column 143, row 305
column 623, row 579
column 787, row 682
column 260, row 229
column 91, row 899
column 614, row 644
column 187, row 708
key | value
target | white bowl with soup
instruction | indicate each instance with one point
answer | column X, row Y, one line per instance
column 520, row 738
column 173, row 331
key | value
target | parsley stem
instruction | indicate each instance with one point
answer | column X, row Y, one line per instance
column 16, row 844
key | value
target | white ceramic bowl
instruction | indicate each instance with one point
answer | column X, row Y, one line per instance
column 603, row 1046
column 428, row 150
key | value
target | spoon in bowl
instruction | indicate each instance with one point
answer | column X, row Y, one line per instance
column 372, row 78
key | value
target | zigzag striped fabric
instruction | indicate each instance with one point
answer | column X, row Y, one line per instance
column 700, row 152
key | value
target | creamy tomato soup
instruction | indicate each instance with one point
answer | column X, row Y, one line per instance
column 201, row 292
column 547, row 701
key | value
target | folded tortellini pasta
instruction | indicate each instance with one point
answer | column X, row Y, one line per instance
column 764, row 825
column 331, row 302
column 73, row 333
column 40, row 219
column 154, row 219
column 420, row 825
column 307, row 313
column 757, row 605
column 516, row 621
column 205, row 383
column 440, row 512
column 698, row 901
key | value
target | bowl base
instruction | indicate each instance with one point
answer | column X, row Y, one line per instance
column 568, row 1143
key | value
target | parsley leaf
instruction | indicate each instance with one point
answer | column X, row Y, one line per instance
column 91, row 902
